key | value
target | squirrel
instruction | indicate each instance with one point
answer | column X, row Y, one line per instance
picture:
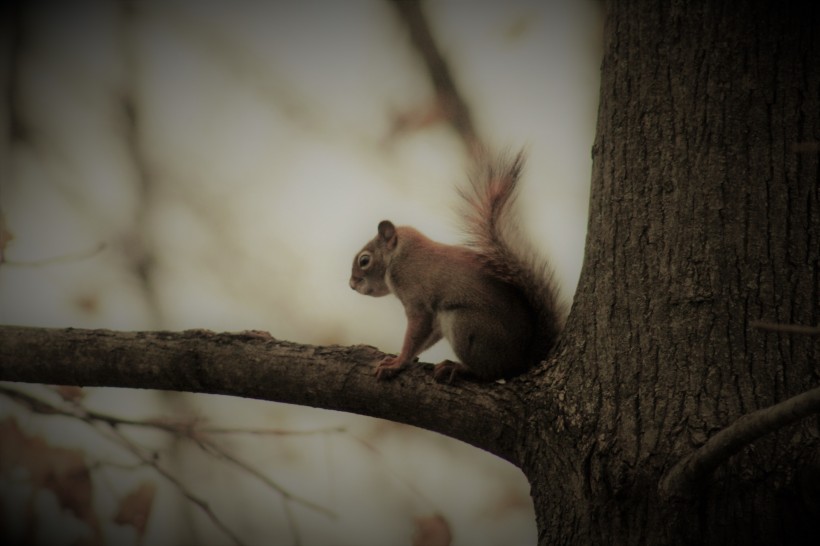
column 494, row 300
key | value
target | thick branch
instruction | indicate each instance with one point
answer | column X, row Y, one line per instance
column 254, row 365
column 690, row 471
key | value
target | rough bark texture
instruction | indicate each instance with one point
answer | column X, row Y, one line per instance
column 255, row 365
column 704, row 216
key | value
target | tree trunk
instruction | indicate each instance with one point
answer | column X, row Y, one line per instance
column 704, row 217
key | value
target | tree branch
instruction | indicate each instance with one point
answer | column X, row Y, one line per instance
column 188, row 431
column 786, row 328
column 255, row 365
column 684, row 476
column 201, row 503
column 441, row 76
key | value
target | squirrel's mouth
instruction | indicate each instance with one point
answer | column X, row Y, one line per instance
column 356, row 284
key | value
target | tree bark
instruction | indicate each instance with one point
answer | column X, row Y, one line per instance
column 704, row 217
column 255, row 365
column 704, row 221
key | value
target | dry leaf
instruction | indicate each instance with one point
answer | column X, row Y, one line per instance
column 69, row 393
column 88, row 303
column 432, row 531
column 60, row 470
column 135, row 508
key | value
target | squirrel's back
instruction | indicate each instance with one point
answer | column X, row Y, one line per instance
column 493, row 232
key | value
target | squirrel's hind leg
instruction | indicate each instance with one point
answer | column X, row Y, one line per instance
column 446, row 370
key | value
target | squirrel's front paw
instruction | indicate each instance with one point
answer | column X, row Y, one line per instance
column 389, row 367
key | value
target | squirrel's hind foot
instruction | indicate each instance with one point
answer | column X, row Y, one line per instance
column 447, row 370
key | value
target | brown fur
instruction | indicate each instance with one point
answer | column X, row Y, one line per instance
column 492, row 301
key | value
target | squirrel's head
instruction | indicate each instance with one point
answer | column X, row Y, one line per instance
column 370, row 264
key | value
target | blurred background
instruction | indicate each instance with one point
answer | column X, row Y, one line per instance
column 201, row 164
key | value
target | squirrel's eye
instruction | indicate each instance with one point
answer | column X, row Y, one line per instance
column 364, row 260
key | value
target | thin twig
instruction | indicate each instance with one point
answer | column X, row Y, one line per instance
column 786, row 328
column 688, row 473
column 396, row 475
column 187, row 493
column 441, row 76
column 291, row 519
column 189, row 430
column 189, row 426
column 271, row 431
column 40, row 406
column 806, row 147
column 184, row 429
column 63, row 258
column 219, row 451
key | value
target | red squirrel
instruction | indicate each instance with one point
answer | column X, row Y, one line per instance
column 494, row 300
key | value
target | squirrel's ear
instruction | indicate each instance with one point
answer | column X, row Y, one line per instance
column 387, row 231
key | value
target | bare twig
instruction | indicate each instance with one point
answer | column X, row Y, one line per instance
column 188, row 430
column 806, row 147
column 441, row 76
column 287, row 497
column 272, row 431
column 219, row 451
column 40, row 406
column 786, row 328
column 137, row 245
column 400, row 478
column 187, row 493
column 291, row 519
column 685, row 476
column 63, row 258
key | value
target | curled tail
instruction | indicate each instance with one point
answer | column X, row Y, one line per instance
column 494, row 233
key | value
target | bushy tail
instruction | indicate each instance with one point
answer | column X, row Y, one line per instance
column 493, row 231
